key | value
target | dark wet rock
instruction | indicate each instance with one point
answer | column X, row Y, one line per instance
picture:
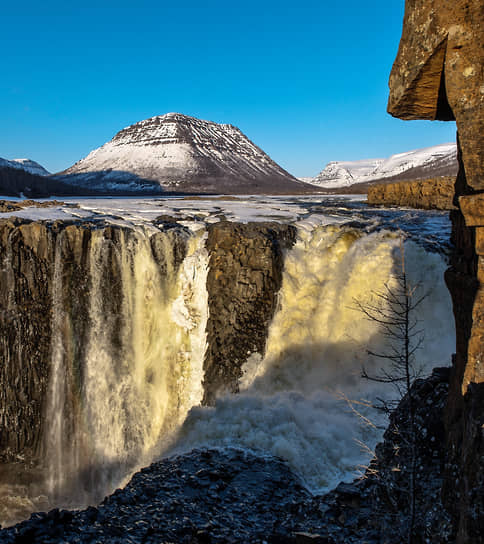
column 245, row 275
column 391, row 471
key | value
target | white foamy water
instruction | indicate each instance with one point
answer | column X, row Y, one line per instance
column 291, row 403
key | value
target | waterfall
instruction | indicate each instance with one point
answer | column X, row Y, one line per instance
column 61, row 444
column 290, row 404
column 142, row 366
column 129, row 317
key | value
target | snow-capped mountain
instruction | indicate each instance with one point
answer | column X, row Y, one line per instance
column 178, row 153
column 439, row 160
column 24, row 164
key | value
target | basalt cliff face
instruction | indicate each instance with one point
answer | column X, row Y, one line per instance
column 428, row 194
column 33, row 288
column 244, row 277
column 439, row 74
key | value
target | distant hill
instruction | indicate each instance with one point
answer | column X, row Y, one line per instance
column 19, row 182
column 24, row 164
column 356, row 176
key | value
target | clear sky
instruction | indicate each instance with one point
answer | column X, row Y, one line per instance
column 306, row 81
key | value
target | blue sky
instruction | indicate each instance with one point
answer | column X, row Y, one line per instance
column 306, row 81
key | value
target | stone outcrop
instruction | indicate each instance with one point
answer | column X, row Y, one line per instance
column 439, row 74
column 245, row 275
column 11, row 206
column 428, row 194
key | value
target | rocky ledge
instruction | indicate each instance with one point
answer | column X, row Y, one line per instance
column 230, row 495
column 428, row 194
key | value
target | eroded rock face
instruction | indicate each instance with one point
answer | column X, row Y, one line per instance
column 245, row 275
column 428, row 194
column 439, row 74
column 25, row 331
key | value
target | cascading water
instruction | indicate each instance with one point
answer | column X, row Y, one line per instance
column 62, row 453
column 291, row 403
column 142, row 364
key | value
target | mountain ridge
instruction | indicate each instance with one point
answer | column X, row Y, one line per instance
column 28, row 165
column 179, row 153
column 428, row 162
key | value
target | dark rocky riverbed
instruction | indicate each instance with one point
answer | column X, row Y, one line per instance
column 232, row 495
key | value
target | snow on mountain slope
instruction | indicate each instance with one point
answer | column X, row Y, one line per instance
column 427, row 162
column 25, row 164
column 181, row 153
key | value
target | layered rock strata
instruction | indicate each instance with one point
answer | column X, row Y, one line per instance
column 439, row 74
column 428, row 194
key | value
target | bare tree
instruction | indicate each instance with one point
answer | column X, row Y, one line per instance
column 395, row 311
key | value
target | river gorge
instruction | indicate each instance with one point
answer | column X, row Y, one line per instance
column 135, row 330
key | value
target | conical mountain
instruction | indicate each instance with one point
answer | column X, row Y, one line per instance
column 178, row 153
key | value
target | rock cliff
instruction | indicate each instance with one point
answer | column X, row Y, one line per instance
column 44, row 270
column 244, row 278
column 439, row 74
column 428, row 194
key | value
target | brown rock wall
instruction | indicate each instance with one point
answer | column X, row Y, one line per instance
column 24, row 335
column 428, row 194
column 439, row 74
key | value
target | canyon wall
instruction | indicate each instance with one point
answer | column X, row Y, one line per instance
column 439, row 74
column 45, row 284
column 428, row 194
